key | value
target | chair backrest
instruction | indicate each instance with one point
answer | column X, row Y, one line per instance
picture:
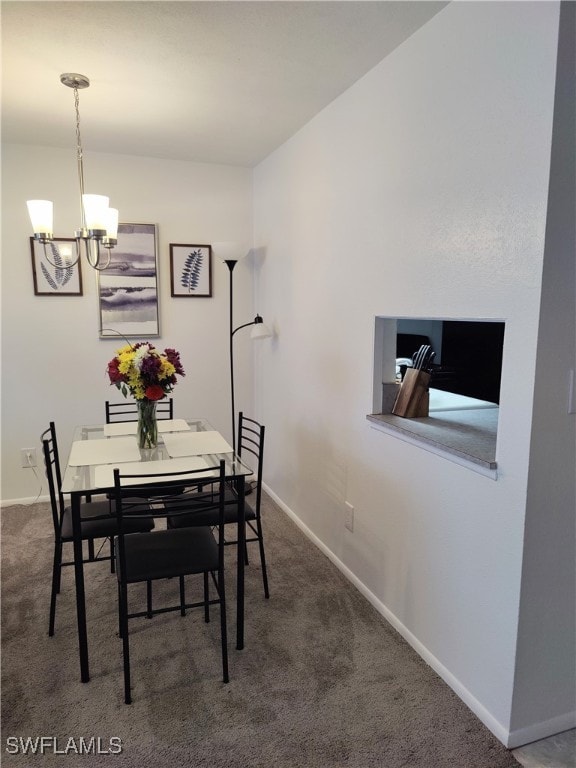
column 163, row 491
column 251, row 440
column 53, row 474
column 128, row 411
column 160, row 495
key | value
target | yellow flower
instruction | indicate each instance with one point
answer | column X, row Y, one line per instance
column 166, row 369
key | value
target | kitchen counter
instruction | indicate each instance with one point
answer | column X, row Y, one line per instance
column 448, row 401
column 465, row 435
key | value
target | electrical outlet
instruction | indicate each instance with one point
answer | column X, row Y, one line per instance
column 28, row 457
column 348, row 516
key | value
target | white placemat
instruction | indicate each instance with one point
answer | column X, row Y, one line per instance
column 195, row 444
column 129, row 427
column 85, row 452
column 104, row 475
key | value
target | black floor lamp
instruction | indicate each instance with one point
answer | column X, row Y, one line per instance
column 259, row 331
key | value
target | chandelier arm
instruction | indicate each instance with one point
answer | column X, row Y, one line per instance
column 65, row 264
column 95, row 263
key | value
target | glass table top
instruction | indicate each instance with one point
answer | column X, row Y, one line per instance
column 80, row 476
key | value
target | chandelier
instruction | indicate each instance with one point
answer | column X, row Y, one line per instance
column 99, row 222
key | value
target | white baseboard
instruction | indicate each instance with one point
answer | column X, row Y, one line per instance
column 537, row 731
column 508, row 739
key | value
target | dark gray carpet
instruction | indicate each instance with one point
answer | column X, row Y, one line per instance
column 324, row 681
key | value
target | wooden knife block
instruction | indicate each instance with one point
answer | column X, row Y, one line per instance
column 413, row 398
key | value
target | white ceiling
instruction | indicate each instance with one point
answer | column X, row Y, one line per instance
column 215, row 81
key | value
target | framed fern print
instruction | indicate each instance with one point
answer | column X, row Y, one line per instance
column 57, row 279
column 190, row 270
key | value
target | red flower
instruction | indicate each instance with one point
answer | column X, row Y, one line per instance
column 113, row 372
column 154, row 392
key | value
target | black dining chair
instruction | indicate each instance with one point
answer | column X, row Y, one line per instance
column 169, row 553
column 97, row 521
column 251, row 451
column 128, row 410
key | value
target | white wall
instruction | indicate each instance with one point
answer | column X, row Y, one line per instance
column 545, row 683
column 420, row 192
column 53, row 363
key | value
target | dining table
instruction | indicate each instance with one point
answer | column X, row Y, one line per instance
column 183, row 444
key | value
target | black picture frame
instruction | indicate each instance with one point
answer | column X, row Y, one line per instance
column 190, row 271
column 59, row 280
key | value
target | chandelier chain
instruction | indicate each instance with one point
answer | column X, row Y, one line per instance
column 79, row 155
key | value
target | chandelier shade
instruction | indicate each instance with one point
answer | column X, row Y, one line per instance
column 95, row 212
column 111, row 223
column 41, row 214
column 99, row 225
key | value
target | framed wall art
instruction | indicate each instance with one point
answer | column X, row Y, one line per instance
column 128, row 287
column 190, row 270
column 58, row 278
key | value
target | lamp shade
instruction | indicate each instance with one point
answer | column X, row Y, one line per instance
column 41, row 214
column 228, row 251
column 260, row 331
column 95, row 211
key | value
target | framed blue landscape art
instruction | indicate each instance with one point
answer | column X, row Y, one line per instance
column 190, row 271
column 128, row 287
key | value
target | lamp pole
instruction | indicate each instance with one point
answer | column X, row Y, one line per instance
column 231, row 263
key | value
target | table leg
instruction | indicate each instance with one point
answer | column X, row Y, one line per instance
column 241, row 548
column 80, row 597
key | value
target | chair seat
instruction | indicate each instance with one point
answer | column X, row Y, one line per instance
column 211, row 517
column 97, row 522
column 168, row 553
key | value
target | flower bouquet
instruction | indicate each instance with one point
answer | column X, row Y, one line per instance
column 148, row 375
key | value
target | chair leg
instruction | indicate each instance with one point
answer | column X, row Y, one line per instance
column 206, row 597
column 182, row 597
column 56, row 568
column 262, row 558
column 123, row 594
column 119, row 611
column 90, row 549
column 223, row 629
column 149, row 599
column 112, row 556
column 59, row 576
